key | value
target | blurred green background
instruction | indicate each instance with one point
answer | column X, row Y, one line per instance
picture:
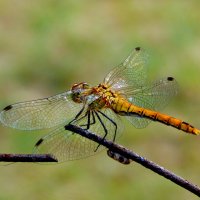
column 46, row 46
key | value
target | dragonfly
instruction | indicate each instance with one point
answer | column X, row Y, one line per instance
column 125, row 92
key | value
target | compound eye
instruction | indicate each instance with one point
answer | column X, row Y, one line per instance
column 74, row 86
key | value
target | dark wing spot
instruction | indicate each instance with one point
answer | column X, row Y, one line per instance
column 7, row 108
column 170, row 78
column 138, row 48
column 66, row 126
column 39, row 142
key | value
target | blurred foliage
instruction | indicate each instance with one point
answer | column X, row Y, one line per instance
column 46, row 46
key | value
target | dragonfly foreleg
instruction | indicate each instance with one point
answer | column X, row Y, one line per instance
column 113, row 122
column 79, row 119
column 78, row 114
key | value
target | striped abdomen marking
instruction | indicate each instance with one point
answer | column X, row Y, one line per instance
column 171, row 121
column 123, row 107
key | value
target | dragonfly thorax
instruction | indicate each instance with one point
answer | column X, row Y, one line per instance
column 104, row 94
column 104, row 91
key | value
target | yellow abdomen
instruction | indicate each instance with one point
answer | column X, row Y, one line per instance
column 123, row 107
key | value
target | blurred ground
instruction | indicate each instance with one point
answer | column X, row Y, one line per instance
column 46, row 46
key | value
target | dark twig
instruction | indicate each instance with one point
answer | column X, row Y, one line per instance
column 135, row 157
column 27, row 158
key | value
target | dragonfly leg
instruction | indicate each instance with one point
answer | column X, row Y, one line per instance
column 77, row 120
column 89, row 122
column 104, row 127
column 78, row 114
column 88, row 115
column 113, row 122
column 93, row 118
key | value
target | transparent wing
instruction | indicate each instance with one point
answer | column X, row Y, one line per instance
column 130, row 73
column 129, row 79
column 65, row 145
column 41, row 113
column 153, row 96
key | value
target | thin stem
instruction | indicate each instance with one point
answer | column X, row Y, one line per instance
column 137, row 158
column 27, row 158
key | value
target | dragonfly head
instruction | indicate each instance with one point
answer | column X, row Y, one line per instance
column 78, row 92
